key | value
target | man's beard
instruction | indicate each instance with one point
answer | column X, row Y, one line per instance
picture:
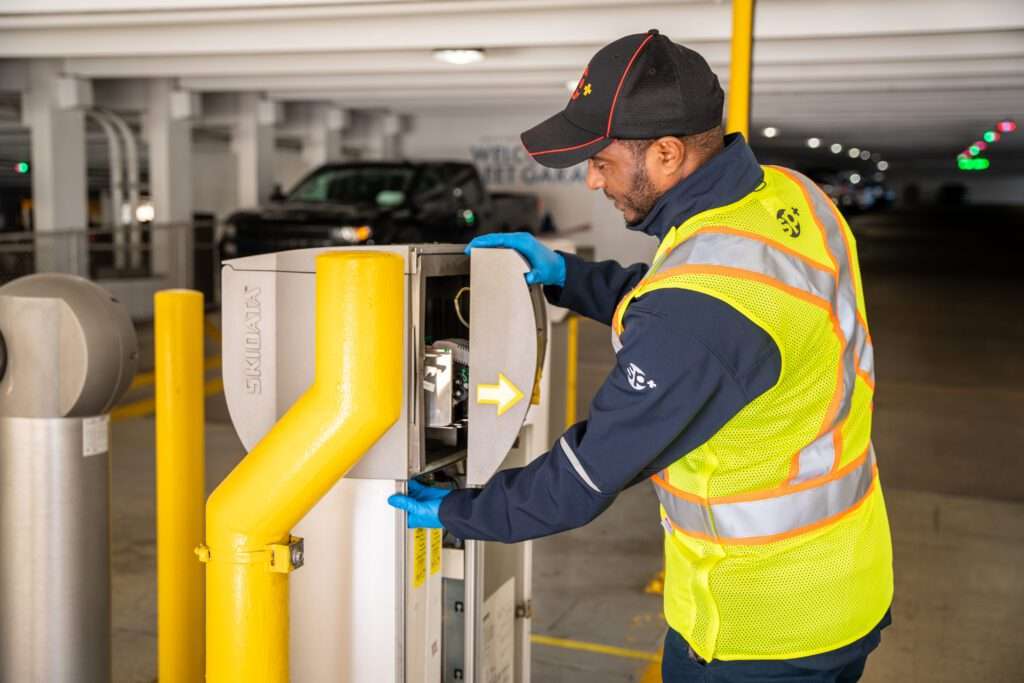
column 642, row 195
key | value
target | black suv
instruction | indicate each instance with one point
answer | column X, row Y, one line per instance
column 366, row 203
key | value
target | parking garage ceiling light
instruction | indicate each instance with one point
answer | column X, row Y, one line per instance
column 836, row 148
column 459, row 56
column 814, row 143
column 883, row 165
column 855, row 178
column 865, row 155
column 854, row 152
column 770, row 132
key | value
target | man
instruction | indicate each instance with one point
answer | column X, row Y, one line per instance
column 742, row 388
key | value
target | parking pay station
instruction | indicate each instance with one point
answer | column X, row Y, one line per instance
column 373, row 600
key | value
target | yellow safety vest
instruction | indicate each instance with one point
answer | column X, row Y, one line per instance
column 777, row 540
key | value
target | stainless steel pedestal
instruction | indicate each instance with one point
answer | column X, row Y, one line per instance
column 55, row 574
column 71, row 353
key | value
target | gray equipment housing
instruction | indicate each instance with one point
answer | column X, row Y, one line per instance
column 358, row 612
column 268, row 308
column 70, row 354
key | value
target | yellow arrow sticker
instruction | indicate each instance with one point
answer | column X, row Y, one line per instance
column 504, row 394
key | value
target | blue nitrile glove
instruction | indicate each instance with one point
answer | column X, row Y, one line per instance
column 548, row 267
column 423, row 504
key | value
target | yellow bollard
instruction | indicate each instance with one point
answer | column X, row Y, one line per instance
column 354, row 399
column 738, row 117
column 571, row 368
column 180, row 485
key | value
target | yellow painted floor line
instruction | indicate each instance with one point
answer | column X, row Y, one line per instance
column 651, row 673
column 656, row 586
column 211, row 330
column 146, row 379
column 611, row 650
column 147, row 406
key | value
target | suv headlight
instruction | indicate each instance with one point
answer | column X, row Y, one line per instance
column 352, row 234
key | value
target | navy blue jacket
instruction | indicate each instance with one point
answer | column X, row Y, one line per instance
column 689, row 362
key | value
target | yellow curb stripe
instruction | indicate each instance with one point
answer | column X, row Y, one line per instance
column 147, row 406
column 582, row 646
column 146, row 379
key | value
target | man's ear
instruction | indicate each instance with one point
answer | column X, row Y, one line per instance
column 668, row 156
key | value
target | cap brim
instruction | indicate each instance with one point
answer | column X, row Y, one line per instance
column 558, row 143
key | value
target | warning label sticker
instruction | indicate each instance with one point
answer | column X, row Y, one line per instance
column 95, row 435
column 419, row 557
column 435, row 550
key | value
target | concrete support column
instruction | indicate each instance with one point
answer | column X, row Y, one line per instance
column 169, row 133
column 53, row 111
column 322, row 142
column 253, row 144
column 391, row 137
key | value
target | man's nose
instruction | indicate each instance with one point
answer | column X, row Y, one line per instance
column 595, row 181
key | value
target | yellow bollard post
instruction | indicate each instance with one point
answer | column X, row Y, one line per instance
column 180, row 484
column 571, row 368
column 738, row 117
column 355, row 397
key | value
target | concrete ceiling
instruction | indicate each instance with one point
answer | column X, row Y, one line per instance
column 908, row 78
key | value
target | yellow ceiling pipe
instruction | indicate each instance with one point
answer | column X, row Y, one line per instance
column 738, row 117
column 354, row 399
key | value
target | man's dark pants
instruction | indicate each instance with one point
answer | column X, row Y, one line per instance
column 680, row 665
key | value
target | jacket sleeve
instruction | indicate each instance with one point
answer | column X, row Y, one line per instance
column 671, row 389
column 594, row 289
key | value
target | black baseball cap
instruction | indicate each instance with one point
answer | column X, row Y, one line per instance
column 640, row 86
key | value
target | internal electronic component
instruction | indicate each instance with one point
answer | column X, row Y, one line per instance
column 446, row 388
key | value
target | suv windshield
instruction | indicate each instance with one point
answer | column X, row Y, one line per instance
column 352, row 184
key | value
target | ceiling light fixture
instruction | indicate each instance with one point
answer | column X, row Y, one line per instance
column 770, row 132
column 836, row 148
column 854, row 152
column 460, row 55
column 814, row 143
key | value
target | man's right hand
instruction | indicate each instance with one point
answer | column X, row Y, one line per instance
column 546, row 267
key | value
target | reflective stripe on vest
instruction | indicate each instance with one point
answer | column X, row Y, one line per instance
column 792, row 510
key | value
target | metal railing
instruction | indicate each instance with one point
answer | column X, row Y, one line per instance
column 183, row 253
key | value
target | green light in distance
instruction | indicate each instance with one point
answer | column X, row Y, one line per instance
column 990, row 136
column 974, row 150
column 972, row 164
column 21, row 167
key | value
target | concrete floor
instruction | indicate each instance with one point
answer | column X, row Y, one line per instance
column 949, row 428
